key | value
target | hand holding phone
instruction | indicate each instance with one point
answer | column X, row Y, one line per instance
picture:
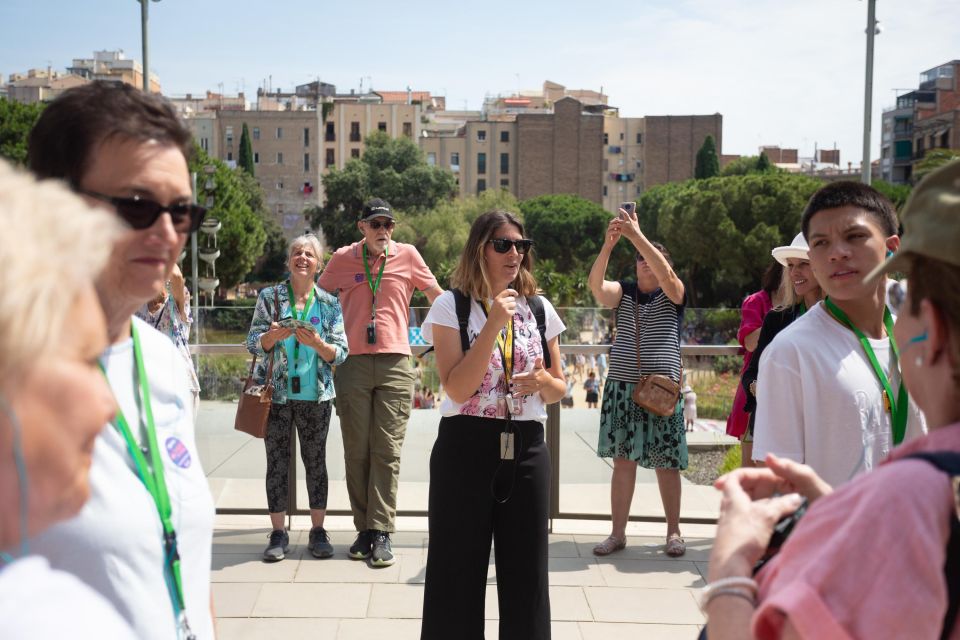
column 629, row 207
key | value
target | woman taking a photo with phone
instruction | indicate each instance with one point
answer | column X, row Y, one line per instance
column 302, row 386
column 490, row 469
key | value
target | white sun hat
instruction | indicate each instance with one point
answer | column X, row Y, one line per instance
column 797, row 249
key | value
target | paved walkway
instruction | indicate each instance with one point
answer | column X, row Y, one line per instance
column 637, row 593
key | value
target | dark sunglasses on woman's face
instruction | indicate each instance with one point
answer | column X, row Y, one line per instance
column 376, row 224
column 141, row 213
column 502, row 245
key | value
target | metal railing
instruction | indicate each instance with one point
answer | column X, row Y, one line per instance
column 552, row 434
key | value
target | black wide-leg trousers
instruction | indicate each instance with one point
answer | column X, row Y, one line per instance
column 468, row 486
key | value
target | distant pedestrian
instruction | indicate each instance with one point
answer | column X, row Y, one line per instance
column 592, row 387
column 689, row 407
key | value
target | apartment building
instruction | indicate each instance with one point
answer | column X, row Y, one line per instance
column 923, row 119
column 112, row 66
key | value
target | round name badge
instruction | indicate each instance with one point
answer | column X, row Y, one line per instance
column 314, row 320
column 178, row 452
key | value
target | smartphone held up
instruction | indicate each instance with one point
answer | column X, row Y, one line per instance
column 629, row 207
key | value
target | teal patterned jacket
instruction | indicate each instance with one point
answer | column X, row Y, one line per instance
column 330, row 328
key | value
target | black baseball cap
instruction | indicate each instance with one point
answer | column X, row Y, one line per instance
column 376, row 208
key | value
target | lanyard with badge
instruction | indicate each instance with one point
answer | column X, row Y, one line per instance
column 295, row 380
column 509, row 405
column 898, row 408
column 374, row 287
column 152, row 477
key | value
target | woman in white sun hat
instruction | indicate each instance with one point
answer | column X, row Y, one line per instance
column 800, row 291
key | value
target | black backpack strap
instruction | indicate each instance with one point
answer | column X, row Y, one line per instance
column 463, row 317
column 949, row 463
column 536, row 305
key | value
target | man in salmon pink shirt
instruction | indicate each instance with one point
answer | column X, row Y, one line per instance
column 375, row 279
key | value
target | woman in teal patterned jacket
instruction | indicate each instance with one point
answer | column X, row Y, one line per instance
column 305, row 342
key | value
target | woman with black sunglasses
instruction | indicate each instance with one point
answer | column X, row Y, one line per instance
column 490, row 469
column 144, row 538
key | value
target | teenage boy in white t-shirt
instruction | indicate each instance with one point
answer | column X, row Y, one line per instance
column 820, row 398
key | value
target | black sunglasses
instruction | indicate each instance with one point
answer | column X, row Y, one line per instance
column 502, row 245
column 376, row 224
column 141, row 213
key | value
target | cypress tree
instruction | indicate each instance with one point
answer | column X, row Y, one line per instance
column 708, row 164
column 246, row 151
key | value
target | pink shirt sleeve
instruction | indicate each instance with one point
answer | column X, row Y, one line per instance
column 866, row 562
column 332, row 275
column 420, row 274
column 752, row 311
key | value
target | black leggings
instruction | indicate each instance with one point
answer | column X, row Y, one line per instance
column 464, row 517
column 312, row 420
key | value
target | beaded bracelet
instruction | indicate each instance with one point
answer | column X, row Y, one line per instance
column 710, row 594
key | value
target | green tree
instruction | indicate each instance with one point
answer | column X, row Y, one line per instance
column 932, row 160
column 242, row 237
column 720, row 232
column 896, row 193
column 16, row 121
column 763, row 163
column 246, row 151
column 271, row 266
column 394, row 169
column 708, row 164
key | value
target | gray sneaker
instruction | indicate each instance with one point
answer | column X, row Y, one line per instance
column 360, row 549
column 278, row 547
column 319, row 544
column 382, row 555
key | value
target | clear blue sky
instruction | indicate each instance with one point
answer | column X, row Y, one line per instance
column 788, row 73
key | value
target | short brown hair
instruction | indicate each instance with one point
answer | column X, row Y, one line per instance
column 938, row 282
column 470, row 274
column 69, row 130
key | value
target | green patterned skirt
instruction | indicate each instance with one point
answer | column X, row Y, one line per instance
column 628, row 431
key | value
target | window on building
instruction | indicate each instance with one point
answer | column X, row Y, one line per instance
column 639, row 138
column 504, row 183
column 229, row 135
column 945, row 139
column 481, row 135
column 431, row 158
column 279, row 133
column 408, row 129
column 481, row 186
column 229, row 156
column 280, row 208
column 481, row 162
column 330, row 158
column 306, row 136
column 280, row 185
column 256, row 133
column 639, row 189
column 205, row 144
column 256, row 158
column 382, row 126
column 621, row 135
column 504, row 136
column 455, row 161
column 354, row 153
column 279, row 157
column 306, row 162
column 604, row 191
column 330, row 135
column 606, row 164
column 606, row 138
column 354, row 132
column 504, row 163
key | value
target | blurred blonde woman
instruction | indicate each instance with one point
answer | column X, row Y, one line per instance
column 53, row 400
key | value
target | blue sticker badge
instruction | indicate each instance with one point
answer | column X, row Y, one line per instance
column 314, row 320
column 178, row 453
column 359, row 277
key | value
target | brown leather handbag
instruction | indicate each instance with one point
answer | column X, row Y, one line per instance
column 656, row 393
column 253, row 411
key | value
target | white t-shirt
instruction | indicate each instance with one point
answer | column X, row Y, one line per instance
column 526, row 349
column 38, row 602
column 820, row 402
column 115, row 544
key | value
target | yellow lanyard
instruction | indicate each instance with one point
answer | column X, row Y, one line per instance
column 505, row 345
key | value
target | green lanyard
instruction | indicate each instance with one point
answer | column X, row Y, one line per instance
column 155, row 484
column 374, row 286
column 293, row 313
column 898, row 409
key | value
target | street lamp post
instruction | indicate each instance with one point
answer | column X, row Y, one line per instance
column 143, row 38
column 868, row 91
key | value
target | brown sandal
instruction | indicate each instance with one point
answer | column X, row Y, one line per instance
column 676, row 546
column 609, row 545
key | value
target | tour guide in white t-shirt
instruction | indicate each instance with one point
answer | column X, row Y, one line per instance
column 829, row 392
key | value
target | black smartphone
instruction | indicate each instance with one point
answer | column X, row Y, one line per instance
column 629, row 207
column 295, row 384
column 371, row 333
